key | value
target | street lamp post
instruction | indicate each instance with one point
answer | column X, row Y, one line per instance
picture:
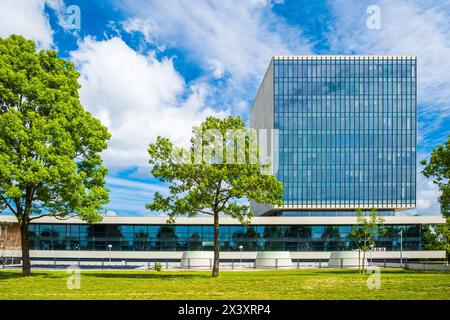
column 371, row 254
column 77, row 248
column 109, row 248
column 401, row 248
column 240, row 254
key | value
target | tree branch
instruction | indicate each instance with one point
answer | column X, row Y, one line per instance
column 225, row 200
column 8, row 205
column 38, row 217
column 205, row 212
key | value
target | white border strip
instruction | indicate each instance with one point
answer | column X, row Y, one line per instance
column 230, row 221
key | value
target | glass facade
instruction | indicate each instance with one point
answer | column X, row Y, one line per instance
column 200, row 237
column 331, row 213
column 347, row 130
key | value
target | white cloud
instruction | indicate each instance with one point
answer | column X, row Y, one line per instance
column 137, row 25
column 216, row 67
column 28, row 18
column 427, row 192
column 427, row 197
column 130, row 196
column 134, row 185
column 110, row 214
column 138, row 97
column 234, row 38
column 414, row 28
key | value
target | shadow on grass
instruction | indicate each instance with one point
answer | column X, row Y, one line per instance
column 382, row 270
column 230, row 275
column 5, row 275
column 324, row 272
column 153, row 275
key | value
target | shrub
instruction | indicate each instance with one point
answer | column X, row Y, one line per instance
column 158, row 266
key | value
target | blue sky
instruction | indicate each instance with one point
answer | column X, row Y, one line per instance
column 152, row 68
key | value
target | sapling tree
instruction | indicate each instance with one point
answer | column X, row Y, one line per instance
column 365, row 233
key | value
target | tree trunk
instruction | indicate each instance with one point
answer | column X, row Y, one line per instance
column 359, row 260
column 26, row 266
column 215, row 270
column 364, row 261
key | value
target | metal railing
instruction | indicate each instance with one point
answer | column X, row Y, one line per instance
column 205, row 264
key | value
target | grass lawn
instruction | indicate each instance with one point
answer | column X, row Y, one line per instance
column 279, row 284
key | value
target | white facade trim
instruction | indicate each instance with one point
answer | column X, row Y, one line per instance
column 202, row 220
column 66, row 254
column 333, row 57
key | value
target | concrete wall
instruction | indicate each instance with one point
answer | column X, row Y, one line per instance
column 206, row 220
column 262, row 117
column 50, row 254
column 262, row 113
column 11, row 237
column 427, row 266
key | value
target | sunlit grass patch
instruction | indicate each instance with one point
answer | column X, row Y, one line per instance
column 259, row 285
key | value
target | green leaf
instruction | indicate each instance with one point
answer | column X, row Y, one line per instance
column 49, row 144
column 210, row 187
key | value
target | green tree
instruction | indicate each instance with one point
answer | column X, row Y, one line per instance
column 209, row 185
column 438, row 168
column 50, row 162
column 365, row 233
column 437, row 237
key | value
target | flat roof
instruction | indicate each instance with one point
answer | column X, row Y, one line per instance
column 201, row 220
column 332, row 57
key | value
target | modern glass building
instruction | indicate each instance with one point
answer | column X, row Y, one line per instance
column 346, row 132
column 306, row 238
column 345, row 139
column 294, row 238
